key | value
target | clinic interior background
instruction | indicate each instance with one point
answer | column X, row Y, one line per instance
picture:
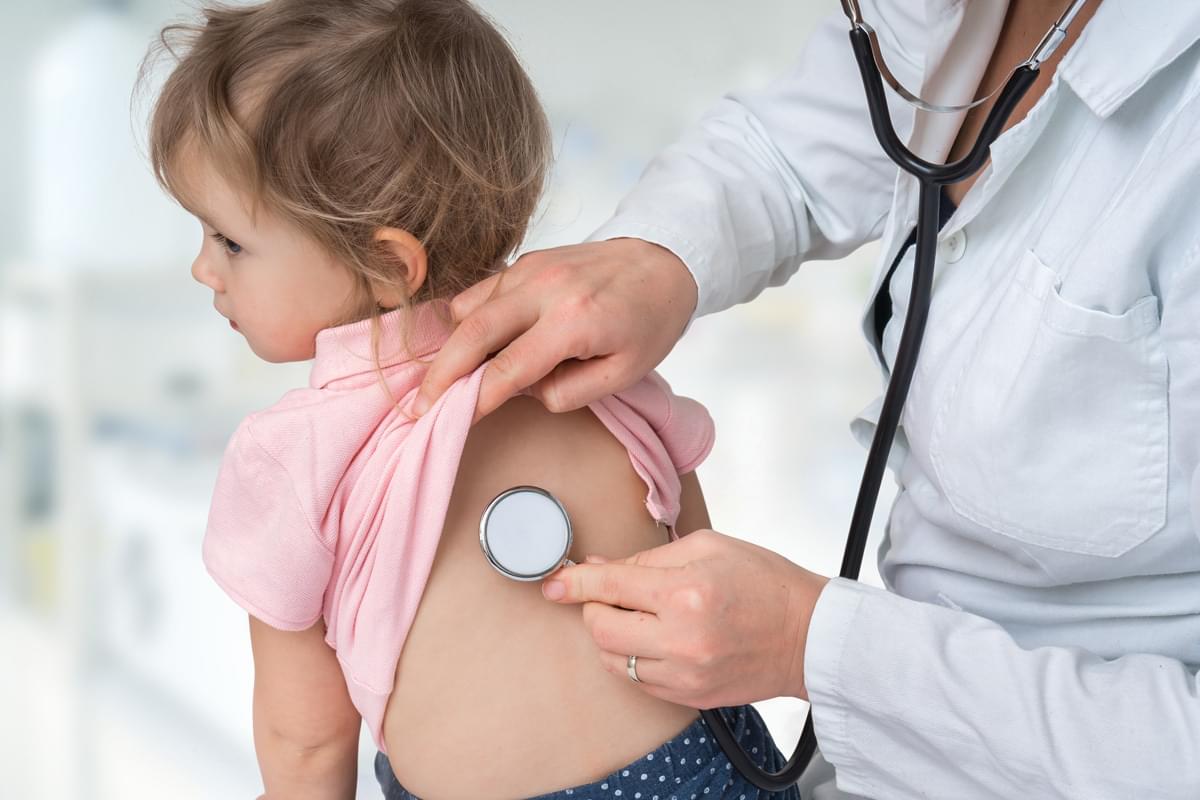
column 124, row 672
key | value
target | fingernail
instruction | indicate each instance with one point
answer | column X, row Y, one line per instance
column 554, row 590
column 420, row 406
column 594, row 559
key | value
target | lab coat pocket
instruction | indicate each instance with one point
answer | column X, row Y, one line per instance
column 1054, row 432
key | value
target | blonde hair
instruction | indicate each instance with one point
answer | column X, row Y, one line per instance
column 346, row 116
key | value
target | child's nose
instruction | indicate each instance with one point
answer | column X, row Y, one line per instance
column 203, row 272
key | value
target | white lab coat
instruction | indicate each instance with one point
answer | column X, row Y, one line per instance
column 1042, row 633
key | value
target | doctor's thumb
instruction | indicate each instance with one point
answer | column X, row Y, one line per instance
column 555, row 586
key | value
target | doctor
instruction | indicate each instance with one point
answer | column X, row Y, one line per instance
column 1041, row 632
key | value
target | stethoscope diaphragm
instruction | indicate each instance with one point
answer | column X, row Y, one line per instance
column 525, row 533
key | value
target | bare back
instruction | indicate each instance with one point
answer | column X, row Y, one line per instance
column 499, row 693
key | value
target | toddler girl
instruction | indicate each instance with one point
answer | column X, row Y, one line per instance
column 354, row 165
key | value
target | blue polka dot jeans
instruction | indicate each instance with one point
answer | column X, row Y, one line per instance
column 690, row 766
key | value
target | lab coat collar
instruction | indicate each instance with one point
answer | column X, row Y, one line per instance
column 1124, row 45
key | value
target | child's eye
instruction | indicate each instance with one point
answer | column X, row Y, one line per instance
column 231, row 247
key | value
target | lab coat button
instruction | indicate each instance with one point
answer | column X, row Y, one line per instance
column 951, row 248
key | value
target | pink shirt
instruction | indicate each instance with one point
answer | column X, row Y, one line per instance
column 330, row 503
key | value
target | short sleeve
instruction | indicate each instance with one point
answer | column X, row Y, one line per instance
column 686, row 429
column 259, row 546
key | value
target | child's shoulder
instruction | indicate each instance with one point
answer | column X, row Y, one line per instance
column 297, row 450
column 307, row 423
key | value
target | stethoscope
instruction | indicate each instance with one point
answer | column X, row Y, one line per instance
column 526, row 533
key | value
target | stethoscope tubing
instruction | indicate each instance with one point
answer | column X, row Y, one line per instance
column 931, row 178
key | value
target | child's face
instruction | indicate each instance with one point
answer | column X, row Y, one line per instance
column 274, row 284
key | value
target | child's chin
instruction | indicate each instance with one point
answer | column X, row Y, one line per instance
column 276, row 356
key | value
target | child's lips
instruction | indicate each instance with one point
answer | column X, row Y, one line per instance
column 233, row 325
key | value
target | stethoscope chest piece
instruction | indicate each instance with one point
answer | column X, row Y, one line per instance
column 525, row 533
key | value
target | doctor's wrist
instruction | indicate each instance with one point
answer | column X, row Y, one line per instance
column 674, row 282
column 804, row 593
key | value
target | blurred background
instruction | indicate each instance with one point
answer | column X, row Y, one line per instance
column 124, row 671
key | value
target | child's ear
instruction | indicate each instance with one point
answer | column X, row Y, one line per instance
column 407, row 250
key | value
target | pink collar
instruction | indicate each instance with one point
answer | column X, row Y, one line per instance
column 345, row 351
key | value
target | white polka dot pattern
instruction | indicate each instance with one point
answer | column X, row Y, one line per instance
column 691, row 763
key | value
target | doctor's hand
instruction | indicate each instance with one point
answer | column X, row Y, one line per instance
column 714, row 620
column 572, row 324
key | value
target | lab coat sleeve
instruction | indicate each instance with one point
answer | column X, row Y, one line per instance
column 767, row 180
column 914, row 700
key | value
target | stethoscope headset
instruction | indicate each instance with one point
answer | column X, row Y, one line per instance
column 526, row 533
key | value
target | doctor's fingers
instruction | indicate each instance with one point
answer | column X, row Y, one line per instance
column 624, row 298
column 549, row 266
column 559, row 369
column 627, row 586
column 488, row 316
column 665, row 679
column 576, row 382
column 469, row 344
column 529, row 343
column 469, row 300
column 618, row 630
column 654, row 674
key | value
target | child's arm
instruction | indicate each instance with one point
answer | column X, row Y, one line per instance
column 305, row 727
